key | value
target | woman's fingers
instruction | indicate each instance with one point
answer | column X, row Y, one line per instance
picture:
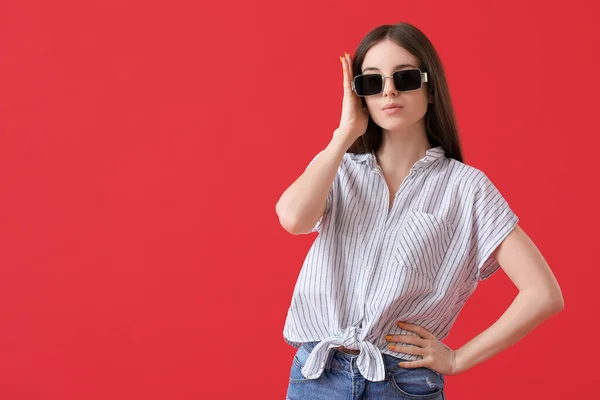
column 350, row 63
column 415, row 350
column 347, row 85
column 409, row 339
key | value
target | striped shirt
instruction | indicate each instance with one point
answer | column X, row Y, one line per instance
column 418, row 262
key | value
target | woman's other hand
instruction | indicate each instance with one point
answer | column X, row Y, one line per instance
column 436, row 355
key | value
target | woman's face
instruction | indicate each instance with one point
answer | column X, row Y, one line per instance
column 385, row 58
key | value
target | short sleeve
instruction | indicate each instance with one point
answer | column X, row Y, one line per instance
column 319, row 224
column 492, row 221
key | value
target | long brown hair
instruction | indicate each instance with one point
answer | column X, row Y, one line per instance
column 440, row 123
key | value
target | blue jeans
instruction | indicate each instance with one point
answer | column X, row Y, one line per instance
column 342, row 380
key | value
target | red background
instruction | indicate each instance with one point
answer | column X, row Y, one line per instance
column 143, row 146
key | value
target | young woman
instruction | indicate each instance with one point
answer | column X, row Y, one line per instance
column 406, row 232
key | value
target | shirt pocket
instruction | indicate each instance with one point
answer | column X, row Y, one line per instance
column 422, row 243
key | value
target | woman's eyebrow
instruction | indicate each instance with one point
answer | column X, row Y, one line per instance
column 395, row 68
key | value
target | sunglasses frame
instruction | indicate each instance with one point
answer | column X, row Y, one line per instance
column 383, row 78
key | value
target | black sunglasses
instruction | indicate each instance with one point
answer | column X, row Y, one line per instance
column 405, row 80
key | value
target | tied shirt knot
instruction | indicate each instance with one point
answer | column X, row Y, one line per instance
column 369, row 362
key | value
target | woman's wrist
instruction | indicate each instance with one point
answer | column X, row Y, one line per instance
column 341, row 139
column 458, row 366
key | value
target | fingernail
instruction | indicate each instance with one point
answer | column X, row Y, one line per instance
column 347, row 55
column 391, row 347
column 389, row 337
column 400, row 323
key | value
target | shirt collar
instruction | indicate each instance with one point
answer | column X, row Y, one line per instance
column 431, row 155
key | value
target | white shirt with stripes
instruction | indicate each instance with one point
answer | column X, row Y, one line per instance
column 369, row 268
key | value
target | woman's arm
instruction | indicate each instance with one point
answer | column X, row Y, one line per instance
column 539, row 298
column 303, row 202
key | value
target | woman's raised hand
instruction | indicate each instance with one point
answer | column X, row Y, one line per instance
column 355, row 117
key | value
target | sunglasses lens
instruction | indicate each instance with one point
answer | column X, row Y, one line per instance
column 368, row 85
column 407, row 80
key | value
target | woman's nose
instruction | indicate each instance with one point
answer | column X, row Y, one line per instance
column 388, row 87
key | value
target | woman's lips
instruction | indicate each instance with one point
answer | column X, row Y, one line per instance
column 393, row 110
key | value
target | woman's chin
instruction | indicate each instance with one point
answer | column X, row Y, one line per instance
column 399, row 125
column 395, row 124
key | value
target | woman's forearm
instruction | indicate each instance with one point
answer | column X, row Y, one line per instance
column 303, row 202
column 529, row 309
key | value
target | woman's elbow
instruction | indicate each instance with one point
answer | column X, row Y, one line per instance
column 554, row 301
column 559, row 302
